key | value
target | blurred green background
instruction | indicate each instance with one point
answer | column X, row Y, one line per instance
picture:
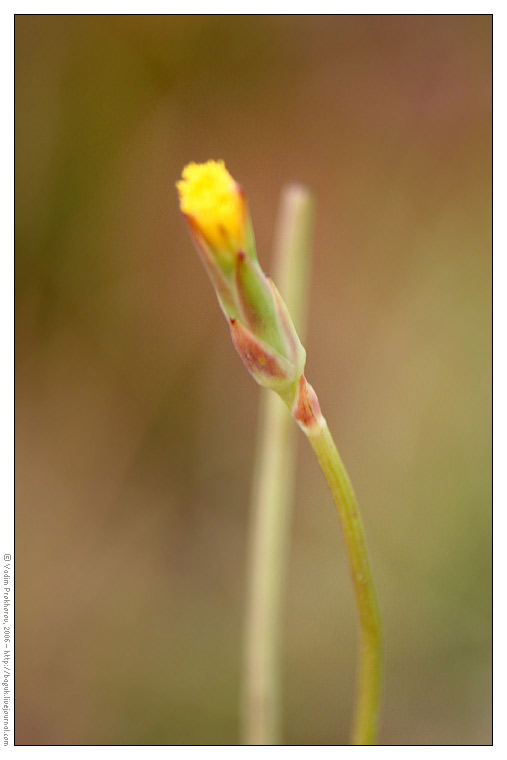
column 136, row 421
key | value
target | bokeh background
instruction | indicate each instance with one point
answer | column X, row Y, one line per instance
column 135, row 419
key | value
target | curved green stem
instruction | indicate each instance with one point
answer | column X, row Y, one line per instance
column 368, row 685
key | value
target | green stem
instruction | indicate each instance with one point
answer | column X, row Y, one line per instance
column 368, row 685
column 272, row 497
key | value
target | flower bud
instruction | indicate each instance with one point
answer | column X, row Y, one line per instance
column 262, row 331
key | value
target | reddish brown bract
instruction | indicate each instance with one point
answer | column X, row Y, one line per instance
column 306, row 408
column 262, row 363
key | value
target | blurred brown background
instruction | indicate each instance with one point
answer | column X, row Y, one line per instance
column 136, row 421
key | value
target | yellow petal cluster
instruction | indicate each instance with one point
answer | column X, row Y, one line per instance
column 211, row 197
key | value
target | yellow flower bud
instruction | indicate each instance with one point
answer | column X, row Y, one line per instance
column 215, row 204
column 216, row 211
